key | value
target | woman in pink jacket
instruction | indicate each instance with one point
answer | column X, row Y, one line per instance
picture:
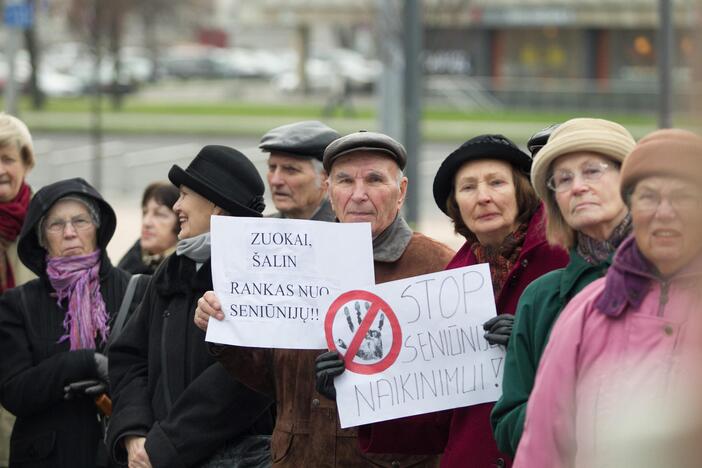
column 611, row 375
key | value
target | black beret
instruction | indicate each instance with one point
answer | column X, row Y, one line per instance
column 306, row 139
column 540, row 138
column 365, row 141
column 481, row 147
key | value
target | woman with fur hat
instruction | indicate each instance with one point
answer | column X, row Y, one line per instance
column 54, row 329
column 483, row 186
column 577, row 176
column 624, row 347
column 174, row 405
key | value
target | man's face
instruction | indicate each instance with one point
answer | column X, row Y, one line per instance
column 296, row 186
column 366, row 186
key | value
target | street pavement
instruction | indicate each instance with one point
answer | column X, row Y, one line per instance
column 131, row 162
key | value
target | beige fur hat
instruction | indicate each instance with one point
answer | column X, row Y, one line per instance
column 673, row 152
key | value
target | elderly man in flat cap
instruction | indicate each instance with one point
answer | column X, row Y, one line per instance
column 296, row 177
column 366, row 184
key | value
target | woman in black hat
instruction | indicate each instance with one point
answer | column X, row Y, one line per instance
column 174, row 405
column 483, row 186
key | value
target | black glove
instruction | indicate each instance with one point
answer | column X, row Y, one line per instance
column 91, row 388
column 101, row 367
column 327, row 366
column 499, row 329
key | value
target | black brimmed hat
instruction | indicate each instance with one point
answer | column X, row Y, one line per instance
column 225, row 177
column 307, row 139
column 481, row 147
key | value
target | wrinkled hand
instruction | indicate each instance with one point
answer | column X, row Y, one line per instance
column 91, row 388
column 101, row 367
column 327, row 366
column 136, row 453
column 499, row 329
column 207, row 306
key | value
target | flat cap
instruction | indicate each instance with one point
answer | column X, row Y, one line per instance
column 306, row 139
column 364, row 141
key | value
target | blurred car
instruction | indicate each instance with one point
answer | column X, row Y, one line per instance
column 56, row 84
column 330, row 70
column 195, row 61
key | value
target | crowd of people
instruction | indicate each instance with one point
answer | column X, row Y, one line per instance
column 594, row 244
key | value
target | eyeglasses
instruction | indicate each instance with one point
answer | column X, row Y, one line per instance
column 79, row 223
column 649, row 202
column 562, row 181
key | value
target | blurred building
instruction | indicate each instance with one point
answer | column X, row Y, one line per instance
column 577, row 48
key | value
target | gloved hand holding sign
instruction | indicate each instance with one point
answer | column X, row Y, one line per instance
column 499, row 329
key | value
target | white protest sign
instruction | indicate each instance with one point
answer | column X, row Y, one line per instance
column 415, row 346
column 271, row 274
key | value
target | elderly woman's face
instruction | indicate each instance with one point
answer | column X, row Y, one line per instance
column 667, row 216
column 193, row 212
column 487, row 199
column 158, row 224
column 12, row 172
column 588, row 193
column 69, row 230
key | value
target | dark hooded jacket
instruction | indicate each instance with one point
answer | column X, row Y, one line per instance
column 165, row 384
column 133, row 263
column 35, row 367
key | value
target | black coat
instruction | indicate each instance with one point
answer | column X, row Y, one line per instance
column 132, row 262
column 34, row 368
column 165, row 384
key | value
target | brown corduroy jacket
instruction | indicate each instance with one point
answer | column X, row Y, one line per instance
column 307, row 431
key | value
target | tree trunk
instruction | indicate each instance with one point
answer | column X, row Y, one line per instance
column 30, row 39
column 116, row 92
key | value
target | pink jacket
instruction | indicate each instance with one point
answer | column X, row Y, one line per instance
column 614, row 350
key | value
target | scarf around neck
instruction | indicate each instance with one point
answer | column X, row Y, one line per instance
column 12, row 216
column 77, row 280
column 390, row 244
column 195, row 248
column 596, row 251
column 501, row 258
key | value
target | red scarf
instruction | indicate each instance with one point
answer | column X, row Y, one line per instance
column 12, row 216
column 501, row 258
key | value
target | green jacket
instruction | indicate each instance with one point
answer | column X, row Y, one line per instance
column 537, row 311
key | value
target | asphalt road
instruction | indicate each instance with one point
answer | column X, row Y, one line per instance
column 131, row 162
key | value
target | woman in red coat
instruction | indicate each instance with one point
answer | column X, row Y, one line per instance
column 483, row 186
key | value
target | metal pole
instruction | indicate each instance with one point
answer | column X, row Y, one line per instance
column 96, row 121
column 11, row 88
column 413, row 104
column 665, row 64
column 388, row 27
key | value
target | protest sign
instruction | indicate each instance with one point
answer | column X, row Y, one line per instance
column 271, row 274
column 415, row 346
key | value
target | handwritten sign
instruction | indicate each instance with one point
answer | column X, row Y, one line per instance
column 271, row 274
column 415, row 346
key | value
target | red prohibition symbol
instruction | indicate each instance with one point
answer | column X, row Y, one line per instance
column 376, row 305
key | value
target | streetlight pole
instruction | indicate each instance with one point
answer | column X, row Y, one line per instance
column 413, row 103
column 665, row 64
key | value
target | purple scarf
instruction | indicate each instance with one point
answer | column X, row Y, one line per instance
column 77, row 279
